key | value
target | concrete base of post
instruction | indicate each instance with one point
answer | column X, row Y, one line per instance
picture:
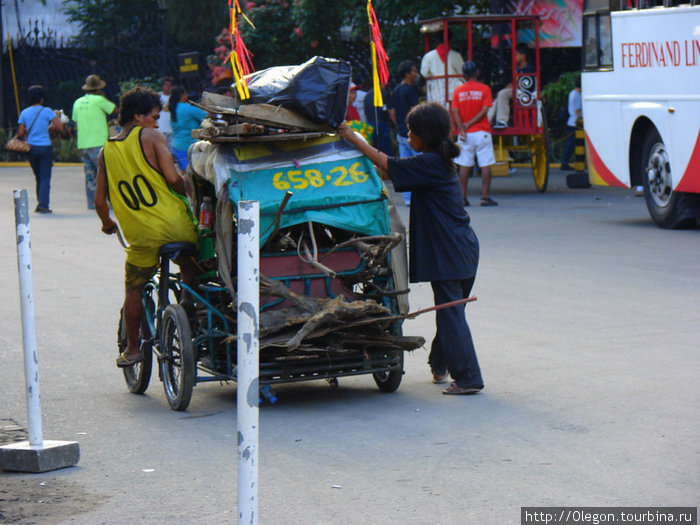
column 52, row 455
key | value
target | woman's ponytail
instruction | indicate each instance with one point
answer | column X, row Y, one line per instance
column 448, row 150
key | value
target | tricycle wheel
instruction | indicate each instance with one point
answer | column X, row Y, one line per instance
column 538, row 161
column 390, row 380
column 177, row 362
column 138, row 375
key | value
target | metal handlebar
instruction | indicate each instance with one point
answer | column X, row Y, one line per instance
column 119, row 236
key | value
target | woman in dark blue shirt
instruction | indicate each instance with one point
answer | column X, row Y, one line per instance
column 443, row 248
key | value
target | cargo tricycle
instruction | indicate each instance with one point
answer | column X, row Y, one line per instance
column 333, row 272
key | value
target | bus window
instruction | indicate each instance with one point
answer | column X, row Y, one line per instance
column 604, row 42
column 597, row 37
column 590, row 46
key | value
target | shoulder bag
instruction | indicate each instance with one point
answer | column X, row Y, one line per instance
column 19, row 145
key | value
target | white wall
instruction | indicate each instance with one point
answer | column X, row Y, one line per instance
column 49, row 17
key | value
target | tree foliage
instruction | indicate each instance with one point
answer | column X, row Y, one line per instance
column 286, row 31
column 290, row 32
column 105, row 24
column 136, row 24
column 193, row 26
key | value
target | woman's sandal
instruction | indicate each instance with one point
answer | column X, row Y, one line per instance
column 455, row 390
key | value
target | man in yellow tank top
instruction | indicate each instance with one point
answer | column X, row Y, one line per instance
column 137, row 173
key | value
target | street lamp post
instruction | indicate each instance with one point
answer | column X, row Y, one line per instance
column 163, row 7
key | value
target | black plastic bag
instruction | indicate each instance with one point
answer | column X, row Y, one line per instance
column 317, row 89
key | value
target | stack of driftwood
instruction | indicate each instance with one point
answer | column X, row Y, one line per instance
column 230, row 121
column 335, row 325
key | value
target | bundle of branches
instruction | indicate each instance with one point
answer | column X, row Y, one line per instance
column 333, row 325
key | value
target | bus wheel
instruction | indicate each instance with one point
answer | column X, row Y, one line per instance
column 667, row 208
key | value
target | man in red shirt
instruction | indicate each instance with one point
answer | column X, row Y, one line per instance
column 470, row 103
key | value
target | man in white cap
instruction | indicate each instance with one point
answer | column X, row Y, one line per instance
column 90, row 114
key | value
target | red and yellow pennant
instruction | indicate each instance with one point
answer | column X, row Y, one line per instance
column 380, row 70
column 241, row 63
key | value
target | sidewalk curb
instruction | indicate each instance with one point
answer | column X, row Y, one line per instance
column 25, row 164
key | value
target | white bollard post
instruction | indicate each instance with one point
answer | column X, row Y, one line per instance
column 248, row 389
column 34, row 455
column 26, row 293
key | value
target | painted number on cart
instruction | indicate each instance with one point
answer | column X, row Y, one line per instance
column 302, row 179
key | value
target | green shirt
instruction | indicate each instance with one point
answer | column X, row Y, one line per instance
column 90, row 114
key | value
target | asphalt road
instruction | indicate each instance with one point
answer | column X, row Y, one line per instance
column 587, row 332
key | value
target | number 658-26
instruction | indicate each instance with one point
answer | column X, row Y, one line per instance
column 302, row 179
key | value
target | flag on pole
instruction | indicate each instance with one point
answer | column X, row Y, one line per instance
column 241, row 63
column 380, row 70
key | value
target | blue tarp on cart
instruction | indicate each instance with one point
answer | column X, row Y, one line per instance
column 332, row 182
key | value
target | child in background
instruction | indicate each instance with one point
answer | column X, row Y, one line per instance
column 353, row 118
column 444, row 249
column 351, row 113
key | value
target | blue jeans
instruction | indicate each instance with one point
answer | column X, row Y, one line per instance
column 41, row 161
column 453, row 348
column 570, row 144
column 89, row 158
column 405, row 151
column 180, row 158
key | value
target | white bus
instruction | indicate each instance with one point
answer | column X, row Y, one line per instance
column 641, row 102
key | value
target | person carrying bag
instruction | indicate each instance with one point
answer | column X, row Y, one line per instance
column 18, row 145
column 40, row 152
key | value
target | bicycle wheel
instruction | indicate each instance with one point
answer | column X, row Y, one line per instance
column 137, row 376
column 177, row 362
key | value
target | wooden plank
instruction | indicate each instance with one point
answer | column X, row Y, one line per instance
column 246, row 128
column 265, row 114
column 203, row 135
column 214, row 99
